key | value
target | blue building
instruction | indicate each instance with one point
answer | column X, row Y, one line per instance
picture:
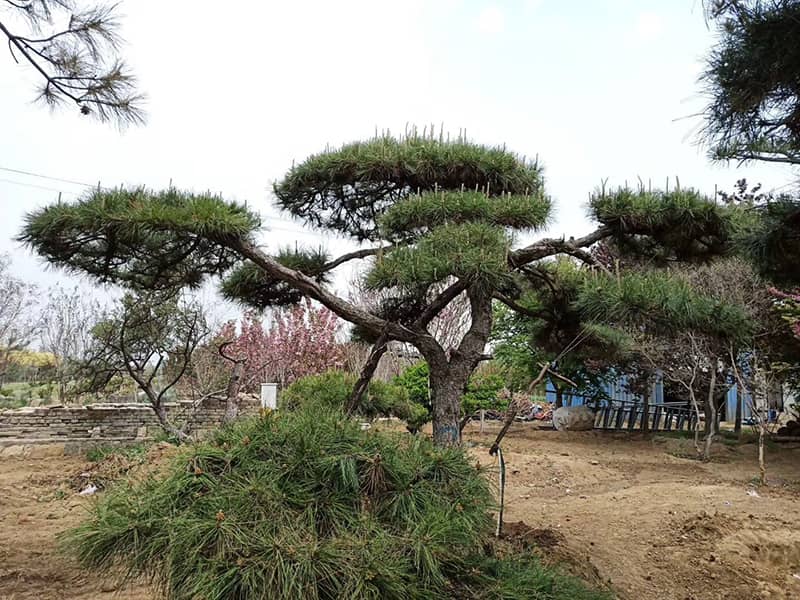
column 616, row 390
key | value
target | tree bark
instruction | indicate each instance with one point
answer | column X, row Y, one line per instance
column 161, row 415
column 449, row 375
column 447, row 387
column 367, row 371
column 696, row 407
column 559, row 396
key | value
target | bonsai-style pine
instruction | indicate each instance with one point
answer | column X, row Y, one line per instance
column 437, row 218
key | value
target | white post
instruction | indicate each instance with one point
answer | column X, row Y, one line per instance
column 269, row 395
column 483, row 415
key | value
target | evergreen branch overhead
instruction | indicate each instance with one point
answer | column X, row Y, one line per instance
column 140, row 238
column 422, row 212
column 79, row 61
column 751, row 80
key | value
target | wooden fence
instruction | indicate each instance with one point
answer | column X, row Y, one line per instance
column 630, row 416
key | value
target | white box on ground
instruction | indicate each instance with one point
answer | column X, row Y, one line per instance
column 269, row 395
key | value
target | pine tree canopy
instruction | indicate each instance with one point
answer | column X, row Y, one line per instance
column 140, row 238
column 347, row 189
column 250, row 285
column 476, row 252
column 679, row 225
column 423, row 212
column 753, row 79
column 771, row 239
column 660, row 302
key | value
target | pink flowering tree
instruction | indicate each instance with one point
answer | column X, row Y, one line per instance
column 299, row 340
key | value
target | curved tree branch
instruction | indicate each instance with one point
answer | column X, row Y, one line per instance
column 551, row 246
column 363, row 253
column 315, row 290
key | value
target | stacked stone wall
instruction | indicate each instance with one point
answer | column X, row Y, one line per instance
column 97, row 424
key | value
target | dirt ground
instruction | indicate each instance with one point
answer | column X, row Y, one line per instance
column 637, row 515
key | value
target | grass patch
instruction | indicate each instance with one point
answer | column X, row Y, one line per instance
column 135, row 453
column 306, row 505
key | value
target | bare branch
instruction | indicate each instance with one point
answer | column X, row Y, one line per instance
column 550, row 247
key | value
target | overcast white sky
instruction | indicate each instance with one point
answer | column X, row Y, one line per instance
column 597, row 89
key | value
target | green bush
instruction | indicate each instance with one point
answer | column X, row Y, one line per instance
column 483, row 390
column 332, row 390
column 305, row 505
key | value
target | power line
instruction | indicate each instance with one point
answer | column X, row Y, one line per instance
column 39, row 187
column 41, row 176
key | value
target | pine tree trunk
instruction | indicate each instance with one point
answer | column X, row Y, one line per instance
column 449, row 375
column 447, row 387
column 169, row 428
column 696, row 407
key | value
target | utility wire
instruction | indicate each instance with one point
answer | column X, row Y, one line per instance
column 41, row 176
column 33, row 185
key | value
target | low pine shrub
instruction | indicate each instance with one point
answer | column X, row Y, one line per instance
column 306, row 505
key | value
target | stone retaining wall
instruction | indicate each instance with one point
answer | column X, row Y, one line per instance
column 97, row 424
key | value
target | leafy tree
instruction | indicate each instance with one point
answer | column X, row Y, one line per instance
column 434, row 210
column 75, row 49
column 18, row 324
column 139, row 338
column 753, row 80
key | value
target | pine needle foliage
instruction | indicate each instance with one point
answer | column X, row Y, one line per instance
column 753, row 81
column 678, row 225
column 660, row 302
column 772, row 239
column 348, row 188
column 157, row 240
column 305, row 505
column 423, row 212
column 251, row 286
column 476, row 252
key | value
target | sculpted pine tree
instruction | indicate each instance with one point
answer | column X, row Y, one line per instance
column 430, row 212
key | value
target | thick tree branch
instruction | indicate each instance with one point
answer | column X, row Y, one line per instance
column 315, row 290
column 550, row 247
column 440, row 302
column 516, row 307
